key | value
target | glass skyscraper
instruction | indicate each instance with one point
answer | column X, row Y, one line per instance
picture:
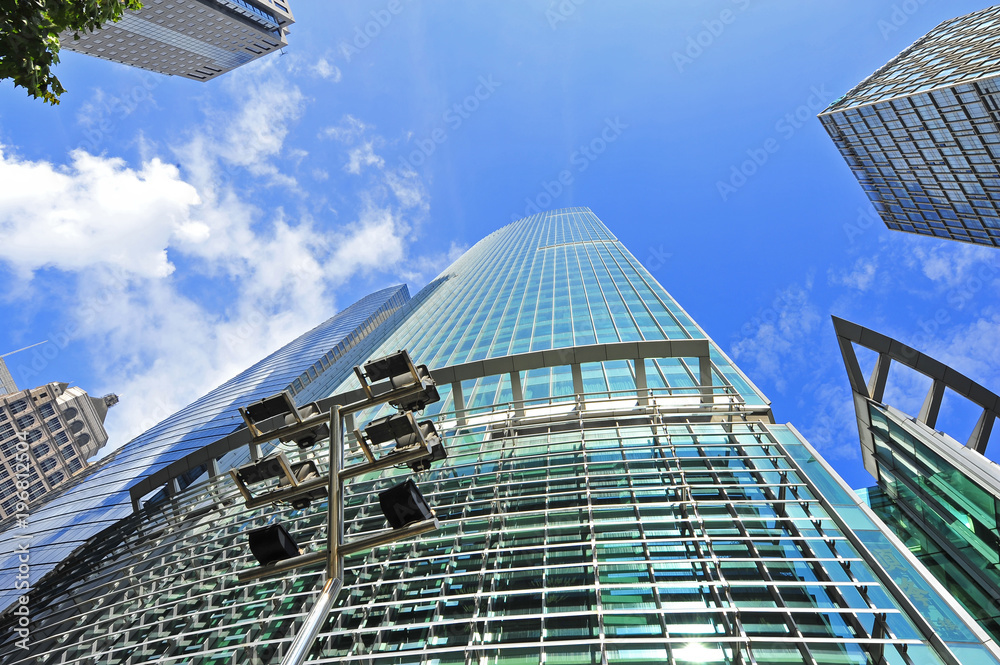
column 616, row 491
column 922, row 136
column 940, row 496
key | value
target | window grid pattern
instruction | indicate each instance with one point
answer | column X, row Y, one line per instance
column 652, row 531
column 549, row 281
column 31, row 407
column 631, row 543
column 922, row 135
column 947, row 520
column 960, row 50
column 197, row 39
column 930, row 163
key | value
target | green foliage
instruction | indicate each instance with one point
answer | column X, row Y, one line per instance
column 29, row 37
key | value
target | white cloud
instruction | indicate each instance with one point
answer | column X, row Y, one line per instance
column 946, row 263
column 861, row 276
column 407, row 187
column 361, row 143
column 772, row 341
column 147, row 251
column 425, row 268
column 363, row 155
column 324, row 69
column 254, row 135
column 93, row 211
column 971, row 347
column 348, row 131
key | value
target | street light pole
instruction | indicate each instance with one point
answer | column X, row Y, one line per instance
column 334, row 538
column 336, row 549
column 314, row 622
column 335, row 522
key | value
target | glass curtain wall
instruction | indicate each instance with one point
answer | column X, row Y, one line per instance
column 640, row 508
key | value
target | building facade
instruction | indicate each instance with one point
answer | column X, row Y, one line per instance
column 59, row 428
column 939, row 496
column 922, row 134
column 616, row 491
column 196, row 39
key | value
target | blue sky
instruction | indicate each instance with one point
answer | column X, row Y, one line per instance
column 164, row 234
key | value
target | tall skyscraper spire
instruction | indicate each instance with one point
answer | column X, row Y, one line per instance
column 7, row 384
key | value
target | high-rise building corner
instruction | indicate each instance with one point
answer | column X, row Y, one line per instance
column 196, row 39
column 939, row 495
column 922, row 134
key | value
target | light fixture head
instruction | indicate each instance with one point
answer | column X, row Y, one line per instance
column 271, row 544
column 303, row 471
column 417, row 401
column 397, row 368
column 404, row 504
column 310, row 437
column 404, row 430
column 262, row 470
column 400, row 428
column 269, row 407
column 435, row 448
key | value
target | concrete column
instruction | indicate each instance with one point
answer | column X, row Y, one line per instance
column 705, row 379
column 577, row 378
column 641, row 387
column 981, row 434
column 456, row 393
column 932, row 404
column 876, row 385
column 518, row 393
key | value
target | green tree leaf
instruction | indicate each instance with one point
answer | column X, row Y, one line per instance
column 29, row 37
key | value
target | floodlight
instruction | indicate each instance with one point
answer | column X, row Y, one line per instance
column 269, row 407
column 271, row 544
column 397, row 372
column 417, row 401
column 403, row 504
column 401, row 429
column 435, row 447
column 310, row 437
column 262, row 470
column 303, row 471
column 397, row 368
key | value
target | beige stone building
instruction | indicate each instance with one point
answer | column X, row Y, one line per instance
column 197, row 39
column 61, row 427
